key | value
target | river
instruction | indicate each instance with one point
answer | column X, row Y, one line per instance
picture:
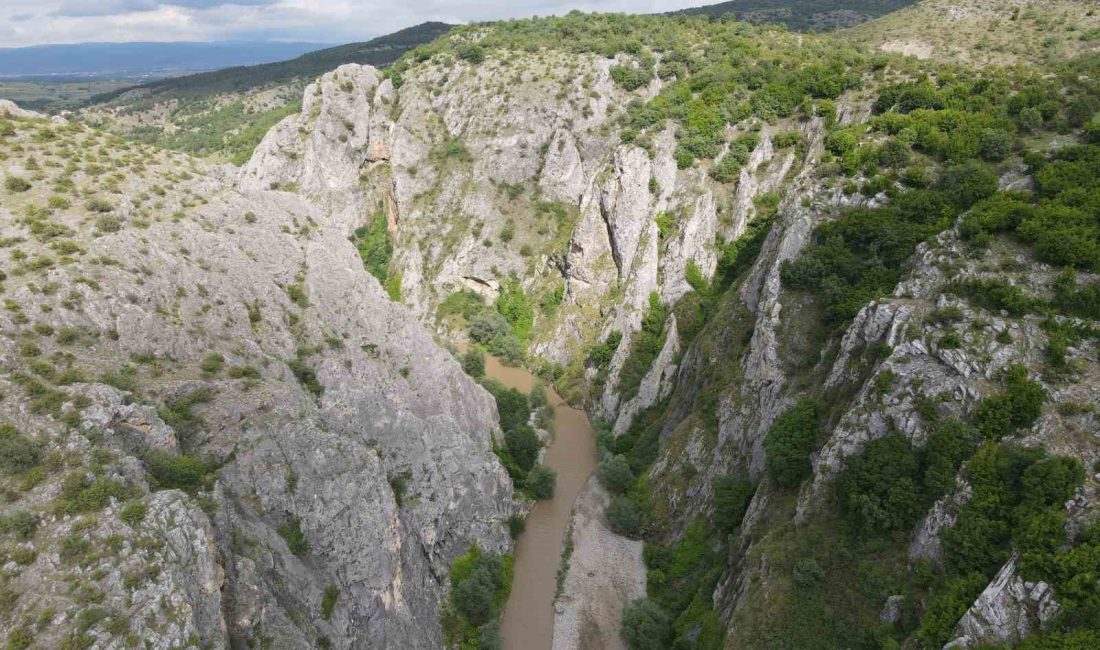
column 528, row 622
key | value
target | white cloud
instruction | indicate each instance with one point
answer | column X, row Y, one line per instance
column 33, row 22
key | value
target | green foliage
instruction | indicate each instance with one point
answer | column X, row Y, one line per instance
column 328, row 601
column 464, row 303
column 727, row 168
column 1017, row 407
column 487, row 325
column 19, row 524
column 82, row 493
column 541, row 481
column 732, row 495
column 615, row 473
column 375, row 246
column 600, row 355
column 523, row 446
column 180, row 472
column 177, row 412
column 516, row 307
column 16, row 185
column 644, row 348
column 472, row 53
column 480, row 583
column 18, row 453
column 212, row 363
column 631, row 77
column 133, row 513
column 947, row 608
column 625, row 518
column 473, row 362
column 789, row 442
column 859, row 256
column 889, row 485
column 300, row 368
column 296, row 540
column 646, row 626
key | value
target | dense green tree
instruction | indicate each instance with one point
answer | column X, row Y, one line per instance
column 789, row 442
column 646, row 626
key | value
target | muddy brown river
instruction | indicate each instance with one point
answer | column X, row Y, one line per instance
column 528, row 622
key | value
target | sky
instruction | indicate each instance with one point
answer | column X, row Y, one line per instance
column 37, row 22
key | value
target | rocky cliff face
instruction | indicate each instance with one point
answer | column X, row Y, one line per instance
column 327, row 460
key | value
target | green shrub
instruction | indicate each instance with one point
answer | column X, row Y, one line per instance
column 471, row 53
column 20, row 524
column 600, row 355
column 615, row 473
column 18, row 453
column 789, row 442
column 523, row 446
column 646, row 626
column 947, row 608
column 473, row 362
column 212, row 364
column 516, row 307
column 541, row 481
column 625, row 517
column 295, row 538
column 1017, row 407
column 477, row 582
column 374, row 246
column 487, row 326
column 133, row 513
column 178, row 414
column 880, row 489
column 305, row 375
column 516, row 525
column 15, row 184
column 328, row 601
column 508, row 349
column 630, row 77
column 180, row 472
column 644, row 348
column 732, row 495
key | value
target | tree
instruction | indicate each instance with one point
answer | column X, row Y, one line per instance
column 995, row 144
column 541, row 481
column 488, row 325
column 615, row 473
column 789, row 442
column 473, row 362
column 625, row 517
column 646, row 626
column 732, row 495
column 523, row 446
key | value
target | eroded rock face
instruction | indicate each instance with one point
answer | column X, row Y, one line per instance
column 1007, row 611
column 349, row 453
column 465, row 179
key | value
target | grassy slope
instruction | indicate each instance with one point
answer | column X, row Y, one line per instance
column 980, row 32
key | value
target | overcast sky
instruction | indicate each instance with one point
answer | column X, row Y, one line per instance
column 35, row 22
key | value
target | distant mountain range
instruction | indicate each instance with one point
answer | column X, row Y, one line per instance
column 120, row 60
column 379, row 52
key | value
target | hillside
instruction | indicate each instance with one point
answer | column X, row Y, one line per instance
column 976, row 32
column 800, row 15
